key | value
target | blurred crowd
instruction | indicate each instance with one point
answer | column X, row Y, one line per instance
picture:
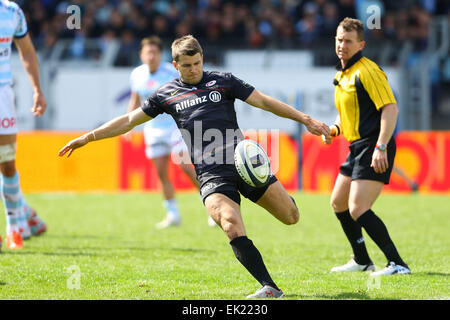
column 284, row 24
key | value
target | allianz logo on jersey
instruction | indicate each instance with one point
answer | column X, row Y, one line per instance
column 213, row 96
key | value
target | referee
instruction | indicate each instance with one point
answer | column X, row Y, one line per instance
column 367, row 117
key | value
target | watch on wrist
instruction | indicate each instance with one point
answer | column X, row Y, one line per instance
column 381, row 147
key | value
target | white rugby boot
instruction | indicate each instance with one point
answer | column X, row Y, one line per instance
column 266, row 292
column 169, row 221
column 352, row 266
column 391, row 269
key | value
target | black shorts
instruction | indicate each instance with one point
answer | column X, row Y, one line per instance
column 228, row 182
column 357, row 166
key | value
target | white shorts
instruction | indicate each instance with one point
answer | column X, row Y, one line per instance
column 161, row 142
column 8, row 119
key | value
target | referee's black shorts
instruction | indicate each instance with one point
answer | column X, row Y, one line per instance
column 226, row 180
column 357, row 166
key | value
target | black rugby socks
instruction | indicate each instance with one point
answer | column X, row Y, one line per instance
column 353, row 231
column 247, row 254
column 377, row 230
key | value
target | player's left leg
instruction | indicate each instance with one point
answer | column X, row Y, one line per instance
column 279, row 203
column 225, row 210
column 363, row 194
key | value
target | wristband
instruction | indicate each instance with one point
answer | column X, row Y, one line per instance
column 338, row 129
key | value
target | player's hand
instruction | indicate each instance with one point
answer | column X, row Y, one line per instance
column 379, row 161
column 333, row 133
column 39, row 104
column 327, row 139
column 317, row 127
column 72, row 145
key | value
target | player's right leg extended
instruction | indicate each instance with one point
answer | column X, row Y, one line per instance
column 279, row 203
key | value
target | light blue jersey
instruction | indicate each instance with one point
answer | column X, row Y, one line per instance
column 12, row 25
column 145, row 83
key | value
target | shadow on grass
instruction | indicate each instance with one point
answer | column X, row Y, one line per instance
column 339, row 296
column 432, row 274
column 188, row 250
column 66, row 251
column 74, row 254
column 85, row 236
column 134, row 248
column 2, row 283
column 125, row 245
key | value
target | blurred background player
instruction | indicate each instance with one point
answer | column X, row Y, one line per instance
column 21, row 219
column 162, row 137
column 361, row 89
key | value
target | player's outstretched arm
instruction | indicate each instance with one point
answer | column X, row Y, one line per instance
column 115, row 127
column 265, row 102
column 29, row 60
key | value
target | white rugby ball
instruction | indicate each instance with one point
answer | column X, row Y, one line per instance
column 252, row 163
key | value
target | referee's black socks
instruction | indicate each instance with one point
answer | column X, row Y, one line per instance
column 247, row 254
column 353, row 231
column 377, row 230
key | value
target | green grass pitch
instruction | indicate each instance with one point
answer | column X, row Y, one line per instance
column 111, row 240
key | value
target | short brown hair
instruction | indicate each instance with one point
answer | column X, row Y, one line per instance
column 349, row 24
column 153, row 40
column 186, row 45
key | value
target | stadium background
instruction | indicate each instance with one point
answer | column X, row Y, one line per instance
column 284, row 48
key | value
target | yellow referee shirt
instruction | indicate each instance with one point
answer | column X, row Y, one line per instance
column 361, row 90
